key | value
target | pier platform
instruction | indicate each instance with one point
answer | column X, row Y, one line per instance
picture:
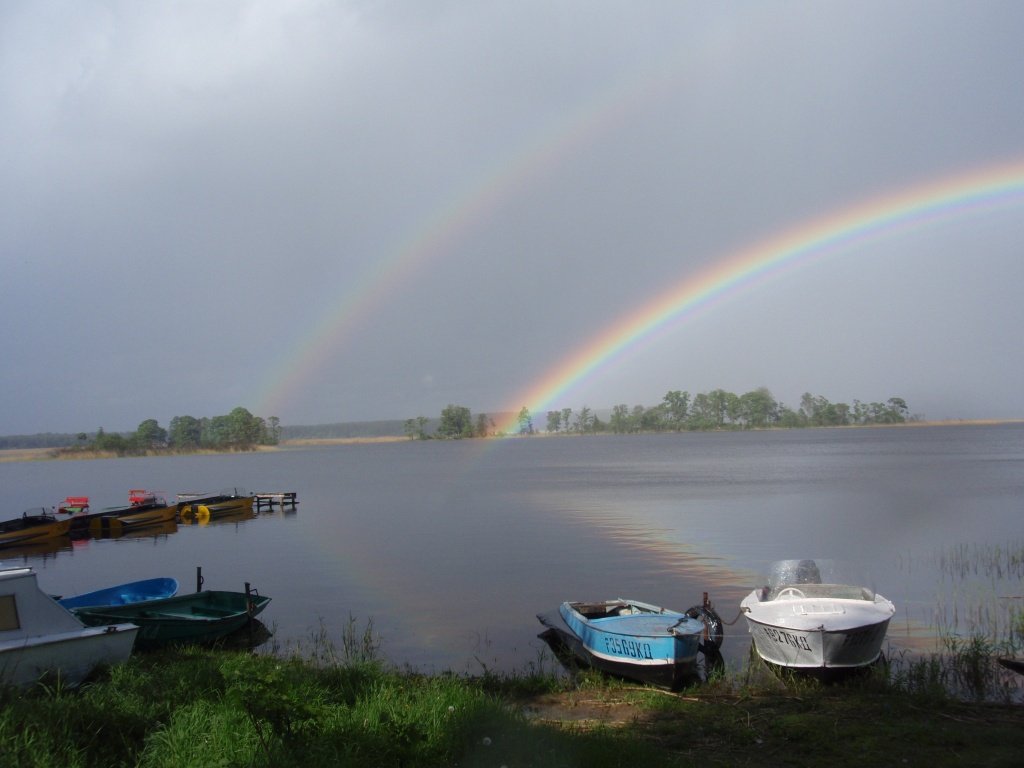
column 271, row 500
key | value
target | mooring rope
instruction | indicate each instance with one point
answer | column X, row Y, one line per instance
column 730, row 623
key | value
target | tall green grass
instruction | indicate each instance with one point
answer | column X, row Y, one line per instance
column 336, row 705
column 979, row 616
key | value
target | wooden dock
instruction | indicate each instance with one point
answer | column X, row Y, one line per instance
column 272, row 500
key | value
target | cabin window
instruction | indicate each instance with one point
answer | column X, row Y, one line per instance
column 8, row 613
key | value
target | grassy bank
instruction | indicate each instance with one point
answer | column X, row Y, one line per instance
column 217, row 708
column 72, row 454
column 25, row 454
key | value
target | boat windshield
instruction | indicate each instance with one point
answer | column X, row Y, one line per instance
column 815, row 578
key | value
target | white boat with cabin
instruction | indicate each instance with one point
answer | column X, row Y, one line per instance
column 39, row 637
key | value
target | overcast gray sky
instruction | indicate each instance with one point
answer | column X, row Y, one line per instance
column 343, row 211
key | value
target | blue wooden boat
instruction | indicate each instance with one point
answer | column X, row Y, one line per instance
column 123, row 594
column 634, row 640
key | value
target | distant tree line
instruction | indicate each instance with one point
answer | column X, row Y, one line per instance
column 41, row 440
column 677, row 412
column 238, row 430
column 456, row 422
column 718, row 409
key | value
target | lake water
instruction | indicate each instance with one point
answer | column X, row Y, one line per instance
column 452, row 548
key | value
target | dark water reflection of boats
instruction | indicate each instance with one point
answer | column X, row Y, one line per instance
column 41, row 550
column 153, row 530
column 239, row 516
column 29, row 554
column 249, row 638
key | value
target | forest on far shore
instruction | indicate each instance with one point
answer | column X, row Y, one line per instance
column 677, row 412
column 238, row 430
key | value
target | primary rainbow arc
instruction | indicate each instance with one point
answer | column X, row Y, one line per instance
column 913, row 208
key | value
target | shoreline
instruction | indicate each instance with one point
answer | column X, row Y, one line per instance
column 542, row 433
column 342, row 440
column 8, row 455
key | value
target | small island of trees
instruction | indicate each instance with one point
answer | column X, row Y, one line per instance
column 236, row 431
column 677, row 412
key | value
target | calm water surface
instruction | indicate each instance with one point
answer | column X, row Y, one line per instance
column 451, row 548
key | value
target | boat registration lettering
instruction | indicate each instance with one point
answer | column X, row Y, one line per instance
column 632, row 648
column 786, row 638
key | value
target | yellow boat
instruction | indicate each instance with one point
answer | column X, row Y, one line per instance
column 214, row 506
column 33, row 526
column 133, row 517
column 144, row 508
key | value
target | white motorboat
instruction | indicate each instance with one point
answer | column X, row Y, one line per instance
column 39, row 637
column 807, row 617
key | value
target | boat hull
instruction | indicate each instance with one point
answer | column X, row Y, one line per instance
column 31, row 530
column 200, row 618
column 132, row 517
column 71, row 656
column 817, row 633
column 209, row 508
column 651, row 645
column 124, row 594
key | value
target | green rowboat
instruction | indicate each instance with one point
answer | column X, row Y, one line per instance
column 203, row 617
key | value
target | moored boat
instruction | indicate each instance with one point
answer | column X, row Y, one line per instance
column 808, row 617
column 34, row 526
column 40, row 637
column 229, row 502
column 144, row 508
column 123, row 594
column 634, row 640
column 202, row 617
